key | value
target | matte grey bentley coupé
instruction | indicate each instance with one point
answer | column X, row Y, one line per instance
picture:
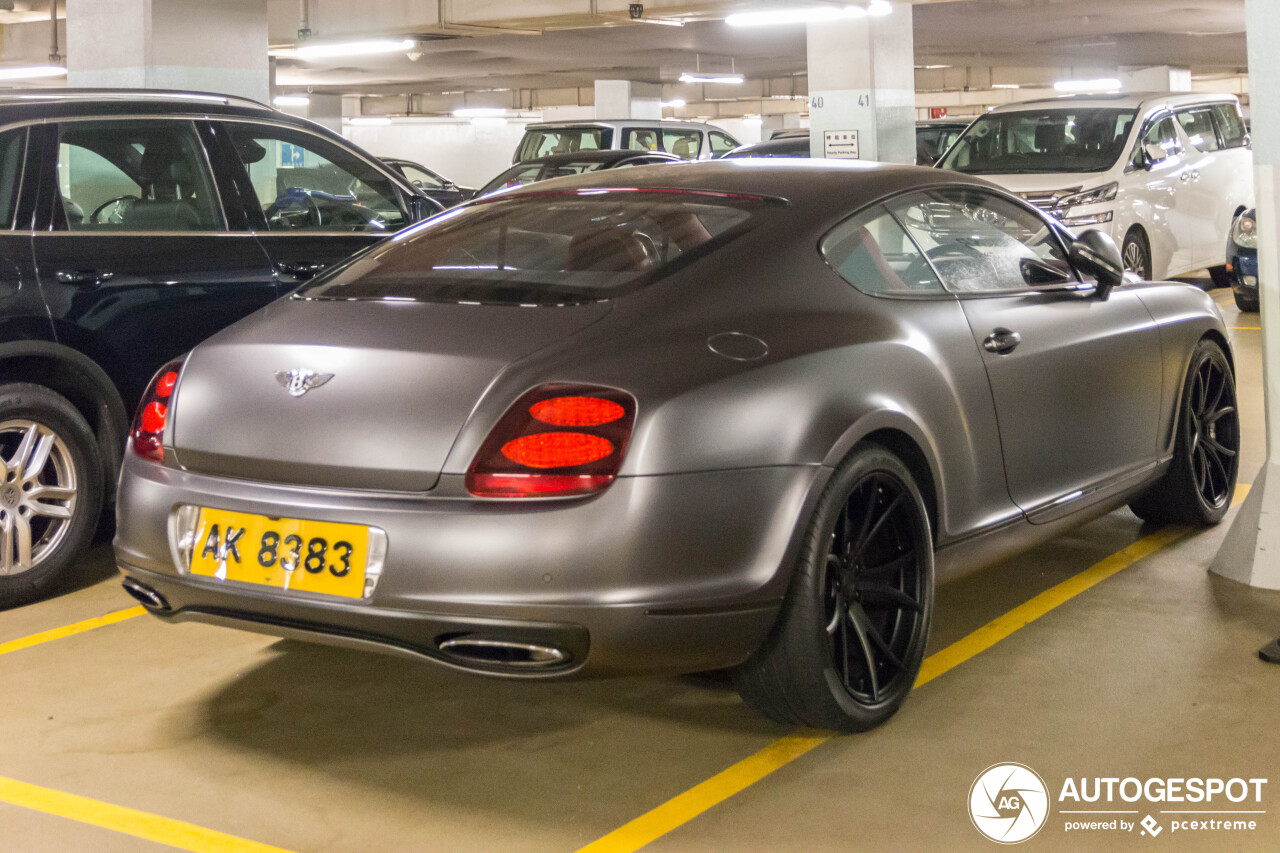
column 731, row 414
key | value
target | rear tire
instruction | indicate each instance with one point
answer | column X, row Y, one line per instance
column 1137, row 253
column 1201, row 480
column 51, row 485
column 850, row 638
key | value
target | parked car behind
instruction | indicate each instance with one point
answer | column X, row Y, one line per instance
column 778, row 146
column 935, row 136
column 136, row 224
column 1164, row 174
column 563, row 165
column 1242, row 260
column 432, row 184
column 677, row 418
column 688, row 140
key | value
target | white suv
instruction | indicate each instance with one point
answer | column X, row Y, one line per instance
column 1163, row 174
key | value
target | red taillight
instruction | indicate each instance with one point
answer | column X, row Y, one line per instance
column 522, row 458
column 153, row 413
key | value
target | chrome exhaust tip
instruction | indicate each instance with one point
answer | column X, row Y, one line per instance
column 486, row 652
column 147, row 596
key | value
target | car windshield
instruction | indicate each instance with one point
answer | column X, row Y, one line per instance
column 1051, row 140
column 544, row 248
column 563, row 140
column 518, row 176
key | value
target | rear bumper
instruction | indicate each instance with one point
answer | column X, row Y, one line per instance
column 669, row 573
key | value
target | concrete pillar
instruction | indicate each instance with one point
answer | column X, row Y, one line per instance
column 322, row 109
column 862, row 87
column 169, row 44
column 628, row 99
column 1160, row 78
column 1251, row 551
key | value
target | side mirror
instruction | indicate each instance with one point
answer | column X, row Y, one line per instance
column 1153, row 154
column 1095, row 255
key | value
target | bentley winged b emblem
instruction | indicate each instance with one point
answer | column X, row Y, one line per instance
column 299, row 382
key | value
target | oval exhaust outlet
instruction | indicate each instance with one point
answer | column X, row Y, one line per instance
column 148, row 597
column 511, row 653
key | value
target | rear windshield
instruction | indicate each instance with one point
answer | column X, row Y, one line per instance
column 563, row 140
column 544, row 248
column 1057, row 140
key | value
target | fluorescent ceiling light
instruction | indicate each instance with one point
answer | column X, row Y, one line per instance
column 810, row 15
column 1005, row 86
column 932, row 67
column 370, row 120
column 1102, row 84
column 674, row 102
column 879, row 8
column 710, row 78
column 353, row 48
column 30, row 72
column 480, row 112
column 291, row 100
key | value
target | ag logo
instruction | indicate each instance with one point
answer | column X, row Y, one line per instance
column 1008, row 803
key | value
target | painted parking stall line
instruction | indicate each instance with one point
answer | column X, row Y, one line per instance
column 163, row 830
column 70, row 630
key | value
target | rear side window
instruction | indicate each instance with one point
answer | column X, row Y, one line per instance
column 13, row 147
column 682, row 143
column 564, row 140
column 721, row 144
column 1198, row 123
column 544, row 248
column 135, row 176
column 1230, row 125
column 874, row 254
column 641, row 139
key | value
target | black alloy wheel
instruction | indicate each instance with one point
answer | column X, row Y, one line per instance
column 850, row 639
column 1201, row 480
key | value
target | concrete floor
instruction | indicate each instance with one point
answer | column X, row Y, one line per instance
column 1151, row 673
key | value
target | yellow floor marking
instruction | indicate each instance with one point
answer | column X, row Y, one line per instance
column 1246, row 328
column 686, row 806
column 69, row 630
column 163, row 830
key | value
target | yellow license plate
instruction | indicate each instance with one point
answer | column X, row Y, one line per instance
column 286, row 553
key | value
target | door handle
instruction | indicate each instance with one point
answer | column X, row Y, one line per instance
column 1001, row 341
column 1195, row 175
column 300, row 269
column 1184, row 177
column 82, row 278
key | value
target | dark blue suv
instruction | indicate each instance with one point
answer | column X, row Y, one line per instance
column 1242, row 261
column 134, row 224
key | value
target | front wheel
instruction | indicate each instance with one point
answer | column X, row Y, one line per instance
column 850, row 638
column 50, row 489
column 1206, row 458
column 1137, row 254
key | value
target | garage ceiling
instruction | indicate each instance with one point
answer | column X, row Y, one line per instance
column 1020, row 35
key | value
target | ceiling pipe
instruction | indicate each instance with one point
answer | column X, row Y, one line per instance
column 304, row 19
column 54, row 56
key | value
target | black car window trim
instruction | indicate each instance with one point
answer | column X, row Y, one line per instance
column 59, row 225
column 1078, row 286
column 398, row 181
column 22, row 179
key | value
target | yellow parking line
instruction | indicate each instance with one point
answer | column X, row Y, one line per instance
column 69, row 630
column 702, row 797
column 1246, row 328
column 163, row 830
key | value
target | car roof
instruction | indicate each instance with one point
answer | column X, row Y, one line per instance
column 778, row 143
column 628, row 122
column 72, row 101
column 813, row 188
column 1143, row 101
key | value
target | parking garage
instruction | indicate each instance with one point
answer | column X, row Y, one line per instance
column 603, row 426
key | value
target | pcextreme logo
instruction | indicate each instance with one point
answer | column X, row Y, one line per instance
column 1008, row 803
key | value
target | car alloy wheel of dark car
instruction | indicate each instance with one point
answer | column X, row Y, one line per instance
column 50, row 488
